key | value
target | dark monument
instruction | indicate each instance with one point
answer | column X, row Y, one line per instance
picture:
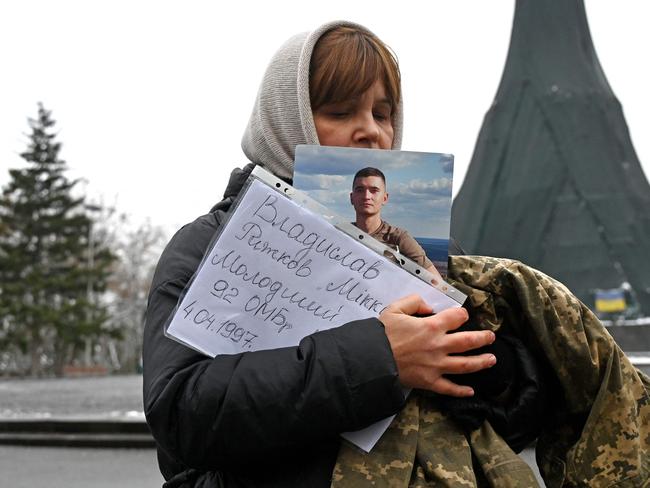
column 554, row 180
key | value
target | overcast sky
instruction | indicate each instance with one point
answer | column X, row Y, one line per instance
column 151, row 97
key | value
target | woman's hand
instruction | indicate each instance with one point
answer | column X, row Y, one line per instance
column 421, row 346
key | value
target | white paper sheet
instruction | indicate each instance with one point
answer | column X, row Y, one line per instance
column 279, row 272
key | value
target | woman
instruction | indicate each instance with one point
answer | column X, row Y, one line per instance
column 273, row 418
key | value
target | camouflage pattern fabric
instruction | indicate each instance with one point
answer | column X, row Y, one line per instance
column 597, row 434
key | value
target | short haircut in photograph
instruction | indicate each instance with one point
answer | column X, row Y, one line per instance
column 368, row 171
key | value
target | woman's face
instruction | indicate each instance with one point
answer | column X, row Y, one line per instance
column 362, row 122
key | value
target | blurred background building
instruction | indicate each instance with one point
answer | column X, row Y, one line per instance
column 554, row 180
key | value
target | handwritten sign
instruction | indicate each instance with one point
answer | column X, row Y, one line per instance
column 279, row 272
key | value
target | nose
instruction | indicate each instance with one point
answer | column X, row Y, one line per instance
column 366, row 132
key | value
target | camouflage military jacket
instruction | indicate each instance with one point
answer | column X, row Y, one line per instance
column 596, row 434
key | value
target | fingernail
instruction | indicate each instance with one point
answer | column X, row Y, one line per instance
column 493, row 337
column 492, row 360
column 470, row 392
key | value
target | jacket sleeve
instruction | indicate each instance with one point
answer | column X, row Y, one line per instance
column 210, row 413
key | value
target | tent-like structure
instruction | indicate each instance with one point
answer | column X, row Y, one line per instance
column 554, row 180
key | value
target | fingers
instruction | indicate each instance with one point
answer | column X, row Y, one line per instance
column 466, row 341
column 461, row 365
column 450, row 319
column 422, row 346
column 436, row 275
column 444, row 386
column 467, row 364
column 410, row 305
column 446, row 320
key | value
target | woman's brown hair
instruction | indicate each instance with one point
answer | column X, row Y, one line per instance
column 346, row 62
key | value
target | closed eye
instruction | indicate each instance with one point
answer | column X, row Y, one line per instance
column 336, row 110
column 382, row 111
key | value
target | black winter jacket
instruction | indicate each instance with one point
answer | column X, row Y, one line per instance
column 265, row 418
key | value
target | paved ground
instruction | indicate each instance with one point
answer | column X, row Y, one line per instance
column 110, row 397
column 103, row 397
column 35, row 467
column 106, row 397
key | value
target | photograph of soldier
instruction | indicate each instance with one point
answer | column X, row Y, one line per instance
column 416, row 221
column 368, row 197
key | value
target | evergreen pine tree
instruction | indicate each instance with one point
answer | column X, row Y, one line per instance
column 51, row 274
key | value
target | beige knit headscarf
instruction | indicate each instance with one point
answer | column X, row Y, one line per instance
column 282, row 115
